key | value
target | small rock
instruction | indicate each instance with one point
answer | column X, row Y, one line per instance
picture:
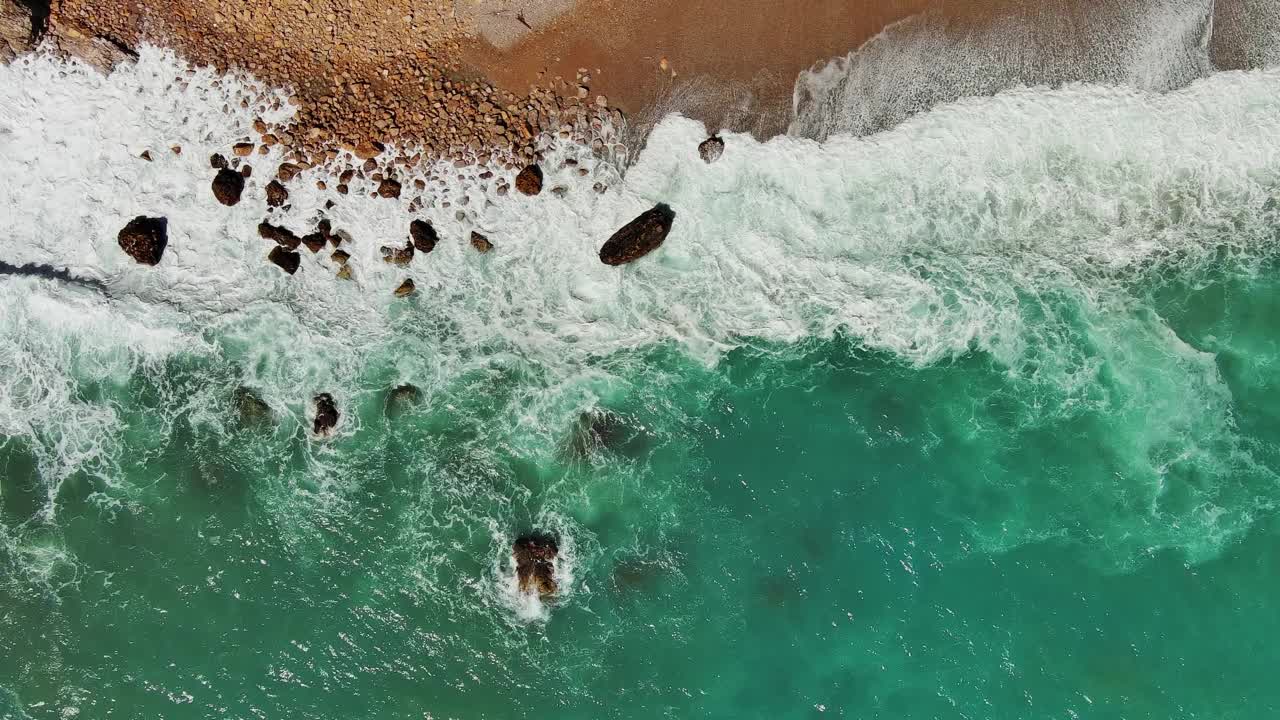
column 277, row 194
column 146, row 154
column 397, row 256
column 638, row 237
column 144, row 239
column 368, row 149
column 282, row 236
column 480, row 242
column 227, row 186
column 711, row 149
column 287, row 260
column 246, row 171
column 424, row 235
column 529, row 181
column 217, row 161
column 560, row 191
column 315, row 241
column 406, row 288
column 340, row 256
column 344, row 272
column 401, row 400
column 287, row 172
column 535, row 556
column 326, row 415
column 244, row 149
column 176, row 149
column 389, row 188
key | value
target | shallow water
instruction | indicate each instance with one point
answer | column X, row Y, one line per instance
column 971, row 418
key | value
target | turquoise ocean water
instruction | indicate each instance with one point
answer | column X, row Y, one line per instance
column 976, row 418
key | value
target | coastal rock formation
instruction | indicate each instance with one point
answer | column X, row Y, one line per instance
column 144, row 239
column 277, row 194
column 254, row 412
column 227, row 186
column 326, row 415
column 287, row 260
column 424, row 235
column 17, row 29
column 389, row 188
column 638, row 237
column 480, row 242
column 102, row 53
column 281, row 236
column 529, row 181
column 401, row 400
column 397, row 256
column 535, row 556
column 711, row 149
column 406, row 288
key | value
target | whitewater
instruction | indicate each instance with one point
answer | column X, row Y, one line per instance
column 1006, row 261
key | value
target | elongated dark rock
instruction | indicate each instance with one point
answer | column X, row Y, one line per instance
column 638, row 237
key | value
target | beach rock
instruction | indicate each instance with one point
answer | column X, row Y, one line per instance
column 287, row 172
column 344, row 272
column 638, row 237
column 277, row 194
column 287, row 260
column 711, row 149
column 401, row 400
column 424, row 236
column 406, row 288
column 397, row 256
column 244, row 149
column 217, row 161
column 535, row 557
column 17, row 29
column 389, row 188
column 254, row 412
column 326, row 415
column 227, row 186
column 315, row 241
column 368, row 149
column 480, row 242
column 281, row 236
column 529, row 181
column 144, row 239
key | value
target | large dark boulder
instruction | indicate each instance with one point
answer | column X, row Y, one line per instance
column 424, row 236
column 145, row 239
column 277, row 194
column 535, row 556
column 326, row 415
column 638, row 237
column 281, row 236
column 227, row 186
column 286, row 260
column 529, row 181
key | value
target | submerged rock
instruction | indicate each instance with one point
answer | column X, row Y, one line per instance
column 401, row 400
column 529, row 181
column 711, row 149
column 638, row 237
column 145, row 238
column 535, row 556
column 286, row 260
column 277, row 194
column 326, row 415
column 254, row 412
column 282, row 236
column 424, row 236
column 597, row 430
column 227, row 186
column 480, row 242
column 397, row 256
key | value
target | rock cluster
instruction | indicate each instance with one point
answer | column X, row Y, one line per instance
column 144, row 239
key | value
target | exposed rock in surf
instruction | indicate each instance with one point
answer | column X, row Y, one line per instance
column 389, row 188
column 424, row 235
column 277, row 194
column 287, row 172
column 326, row 415
column 243, row 149
column 535, row 556
column 282, row 236
column 711, row 149
column 227, row 186
column 246, row 171
column 397, row 256
column 315, row 241
column 406, row 288
column 287, row 260
column 480, row 242
column 529, row 181
column 340, row 256
column 17, row 29
column 638, row 237
column 144, row 239
column 367, row 150
column 344, row 273
column 254, row 412
column 146, row 154
column 217, row 161
column 401, row 399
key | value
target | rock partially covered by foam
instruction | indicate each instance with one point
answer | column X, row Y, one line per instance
column 286, row 260
column 144, row 239
column 711, row 149
column 529, row 181
column 401, row 400
column 397, row 256
column 535, row 556
column 282, row 236
column 638, row 237
column 277, row 194
column 480, row 242
column 424, row 236
column 227, row 186
column 254, row 411
column 326, row 415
